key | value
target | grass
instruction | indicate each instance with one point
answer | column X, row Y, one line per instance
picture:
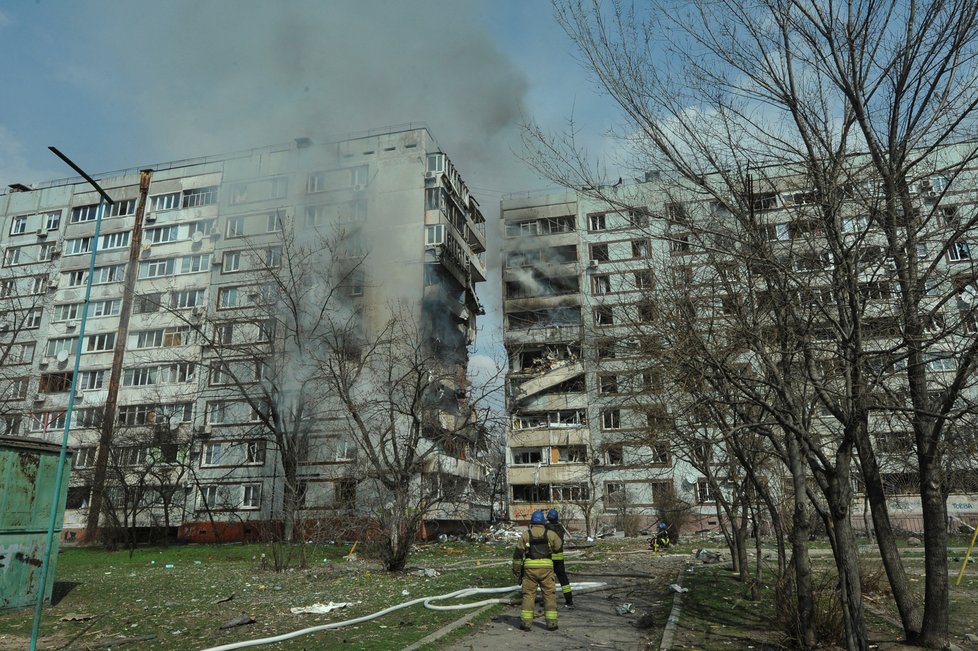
column 140, row 596
column 718, row 615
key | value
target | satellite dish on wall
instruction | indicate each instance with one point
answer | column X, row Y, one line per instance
column 197, row 236
column 62, row 356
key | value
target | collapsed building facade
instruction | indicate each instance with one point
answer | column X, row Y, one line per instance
column 595, row 429
column 190, row 356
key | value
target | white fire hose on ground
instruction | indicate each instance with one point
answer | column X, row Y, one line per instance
column 427, row 601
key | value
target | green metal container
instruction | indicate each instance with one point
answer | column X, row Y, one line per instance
column 28, row 473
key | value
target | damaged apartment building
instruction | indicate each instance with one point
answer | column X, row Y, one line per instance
column 594, row 429
column 575, row 282
column 178, row 329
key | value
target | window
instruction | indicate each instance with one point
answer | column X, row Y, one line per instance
column 132, row 415
column 17, row 389
column 52, row 220
column 84, row 214
column 958, row 251
column 434, row 234
column 114, row 241
column 522, row 456
column 169, row 201
column 345, row 493
column 522, row 229
column 679, row 243
column 235, row 227
column 610, row 419
column 69, row 312
column 209, row 497
column 608, row 383
column 12, row 256
column 46, row 252
column 7, row 287
column 228, row 297
column 604, row 315
column 84, row 457
column 78, row 246
column 56, row 346
column 316, row 182
column 251, row 496
column 197, row 197
column 232, row 261
column 640, row 248
column 100, row 343
column 255, row 452
column 935, row 362
column 316, row 215
column 130, row 455
column 775, row 232
column 601, row 284
column 103, row 275
column 345, row 450
column 147, row 303
column 614, row 455
column 599, row 252
column 217, row 413
column 139, row 377
column 704, row 492
column 212, row 454
column 32, row 320
column 162, row 234
column 104, row 308
column 19, row 225
column 274, row 223
column 187, row 298
column 272, row 257
column 123, row 208
column 156, row 268
column 614, row 495
column 21, row 353
column 597, row 222
column 643, row 279
column 55, row 382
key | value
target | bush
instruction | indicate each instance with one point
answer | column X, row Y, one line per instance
column 829, row 624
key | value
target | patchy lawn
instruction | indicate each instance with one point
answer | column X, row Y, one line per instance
column 161, row 607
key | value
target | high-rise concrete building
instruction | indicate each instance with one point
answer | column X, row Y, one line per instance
column 592, row 289
column 190, row 257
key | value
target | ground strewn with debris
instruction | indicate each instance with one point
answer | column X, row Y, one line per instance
column 181, row 597
column 188, row 597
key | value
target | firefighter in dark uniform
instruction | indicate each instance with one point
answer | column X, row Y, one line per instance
column 553, row 523
column 533, row 565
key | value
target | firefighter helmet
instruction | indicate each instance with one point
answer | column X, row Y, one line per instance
column 552, row 515
column 537, row 518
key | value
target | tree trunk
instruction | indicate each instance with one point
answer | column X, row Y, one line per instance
column 934, row 631
column 740, row 534
column 886, row 540
column 800, row 531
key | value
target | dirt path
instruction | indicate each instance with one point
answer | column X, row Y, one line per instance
column 640, row 579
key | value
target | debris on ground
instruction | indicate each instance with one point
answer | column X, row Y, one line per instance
column 121, row 641
column 678, row 588
column 625, row 608
column 77, row 617
column 241, row 620
column 320, row 609
column 221, row 600
column 708, row 557
column 430, row 573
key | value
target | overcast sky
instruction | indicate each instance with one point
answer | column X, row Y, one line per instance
column 118, row 84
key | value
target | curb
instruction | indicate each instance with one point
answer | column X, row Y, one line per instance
column 445, row 630
column 677, row 600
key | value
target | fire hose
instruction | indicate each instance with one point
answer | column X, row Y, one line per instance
column 427, row 601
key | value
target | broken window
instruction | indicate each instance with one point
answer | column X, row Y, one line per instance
column 604, row 315
column 531, row 492
column 523, row 456
column 614, row 455
column 599, row 252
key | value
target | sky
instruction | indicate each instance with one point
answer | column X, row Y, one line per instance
column 120, row 84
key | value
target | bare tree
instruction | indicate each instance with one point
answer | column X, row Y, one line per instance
column 415, row 422
column 850, row 110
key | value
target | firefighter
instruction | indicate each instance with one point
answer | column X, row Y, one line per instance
column 533, row 565
column 553, row 523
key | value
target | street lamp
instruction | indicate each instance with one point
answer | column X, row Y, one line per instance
column 103, row 199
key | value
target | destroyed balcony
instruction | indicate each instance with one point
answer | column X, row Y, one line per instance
column 444, row 464
column 549, row 436
column 560, row 473
column 543, row 333
column 556, row 374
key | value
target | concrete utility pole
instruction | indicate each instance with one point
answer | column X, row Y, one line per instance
column 115, row 373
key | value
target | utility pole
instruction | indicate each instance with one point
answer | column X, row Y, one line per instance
column 115, row 373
